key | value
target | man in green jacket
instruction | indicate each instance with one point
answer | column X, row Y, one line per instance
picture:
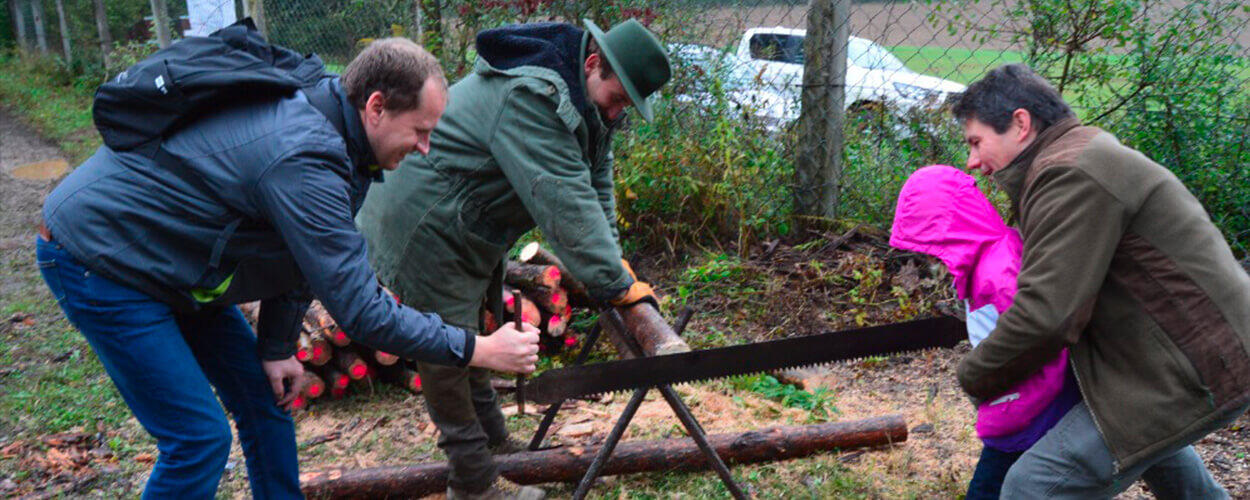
column 525, row 141
column 1123, row 266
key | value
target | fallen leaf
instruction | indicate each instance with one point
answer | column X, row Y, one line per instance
column 908, row 278
column 65, row 439
column 12, row 449
column 22, row 318
column 146, row 458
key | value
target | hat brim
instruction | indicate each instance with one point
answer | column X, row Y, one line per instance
column 644, row 106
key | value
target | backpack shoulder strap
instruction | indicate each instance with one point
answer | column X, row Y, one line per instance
column 324, row 100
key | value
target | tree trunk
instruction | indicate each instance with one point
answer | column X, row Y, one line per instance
column 255, row 9
column 65, row 40
column 430, row 26
column 160, row 21
column 19, row 23
column 569, row 463
column 37, row 17
column 102, row 29
column 818, row 165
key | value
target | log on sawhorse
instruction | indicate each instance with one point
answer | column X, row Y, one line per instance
column 567, row 464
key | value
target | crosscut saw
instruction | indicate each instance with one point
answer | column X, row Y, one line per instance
column 560, row 384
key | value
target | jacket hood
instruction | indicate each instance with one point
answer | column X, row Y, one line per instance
column 555, row 46
column 941, row 212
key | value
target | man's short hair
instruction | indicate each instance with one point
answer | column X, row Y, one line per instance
column 396, row 67
column 605, row 68
column 992, row 100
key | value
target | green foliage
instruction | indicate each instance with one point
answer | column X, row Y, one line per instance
column 124, row 19
column 128, row 53
column 700, row 174
column 54, row 101
column 719, row 274
column 883, row 149
column 1167, row 78
column 818, row 404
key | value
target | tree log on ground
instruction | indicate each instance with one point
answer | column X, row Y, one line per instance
column 569, row 463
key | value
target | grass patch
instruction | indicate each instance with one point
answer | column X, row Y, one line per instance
column 818, row 403
column 961, row 65
column 56, row 383
column 55, row 104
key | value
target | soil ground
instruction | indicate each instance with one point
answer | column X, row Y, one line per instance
column 777, row 290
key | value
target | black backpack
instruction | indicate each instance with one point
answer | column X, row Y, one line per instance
column 156, row 96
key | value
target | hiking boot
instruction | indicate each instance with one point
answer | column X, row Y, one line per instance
column 503, row 489
column 508, row 446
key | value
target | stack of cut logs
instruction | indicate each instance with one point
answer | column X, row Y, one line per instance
column 333, row 363
column 548, row 295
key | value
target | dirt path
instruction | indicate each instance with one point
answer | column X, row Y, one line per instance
column 20, row 200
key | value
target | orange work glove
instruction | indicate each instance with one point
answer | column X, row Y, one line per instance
column 638, row 292
column 629, row 269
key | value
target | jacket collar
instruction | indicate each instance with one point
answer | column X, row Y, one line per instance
column 358, row 148
column 555, row 46
column 1011, row 178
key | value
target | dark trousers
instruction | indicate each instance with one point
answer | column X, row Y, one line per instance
column 166, row 366
column 987, row 480
column 464, row 407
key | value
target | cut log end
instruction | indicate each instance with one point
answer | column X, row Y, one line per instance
column 528, row 252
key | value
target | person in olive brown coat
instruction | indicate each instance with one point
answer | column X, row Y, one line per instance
column 1123, row 266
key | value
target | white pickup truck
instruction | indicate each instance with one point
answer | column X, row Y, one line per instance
column 765, row 73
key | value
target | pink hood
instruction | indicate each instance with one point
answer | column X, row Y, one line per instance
column 941, row 213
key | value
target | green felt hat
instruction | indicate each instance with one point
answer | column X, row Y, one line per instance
column 637, row 57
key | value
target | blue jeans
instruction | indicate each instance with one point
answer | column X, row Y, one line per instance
column 166, row 365
column 1071, row 461
column 992, row 468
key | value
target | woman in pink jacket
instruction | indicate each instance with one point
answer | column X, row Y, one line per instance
column 941, row 213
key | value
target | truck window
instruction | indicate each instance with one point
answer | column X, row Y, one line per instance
column 777, row 47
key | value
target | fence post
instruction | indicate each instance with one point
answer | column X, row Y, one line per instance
column 417, row 26
column 37, row 17
column 430, row 14
column 818, row 164
column 19, row 23
column 102, row 28
column 65, row 42
column 160, row 20
column 255, row 9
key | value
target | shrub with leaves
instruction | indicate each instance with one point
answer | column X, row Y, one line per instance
column 1167, row 78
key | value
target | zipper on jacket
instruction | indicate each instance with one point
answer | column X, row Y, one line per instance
column 1076, row 374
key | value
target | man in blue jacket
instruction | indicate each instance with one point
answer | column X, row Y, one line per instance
column 148, row 260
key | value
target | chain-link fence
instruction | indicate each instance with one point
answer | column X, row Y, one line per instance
column 753, row 98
